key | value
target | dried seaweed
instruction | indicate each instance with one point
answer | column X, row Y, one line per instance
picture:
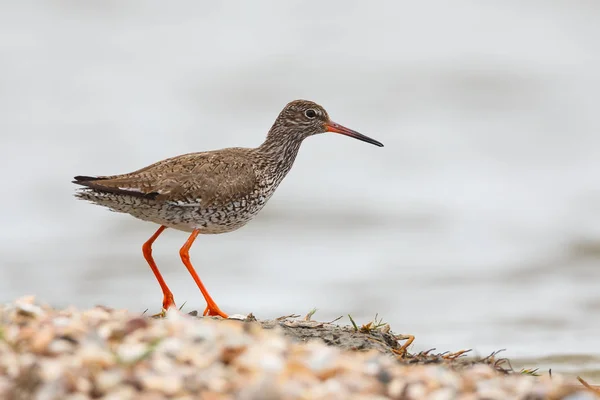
column 376, row 335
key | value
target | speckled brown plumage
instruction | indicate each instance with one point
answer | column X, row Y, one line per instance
column 214, row 191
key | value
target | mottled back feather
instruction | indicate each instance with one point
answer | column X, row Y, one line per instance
column 213, row 177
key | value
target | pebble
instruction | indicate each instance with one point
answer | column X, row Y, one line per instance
column 109, row 354
column 107, row 381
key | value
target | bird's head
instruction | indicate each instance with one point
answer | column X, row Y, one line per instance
column 303, row 118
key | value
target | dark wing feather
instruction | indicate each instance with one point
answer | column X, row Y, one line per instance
column 105, row 185
column 210, row 177
column 81, row 178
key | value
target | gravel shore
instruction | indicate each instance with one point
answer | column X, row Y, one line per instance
column 102, row 353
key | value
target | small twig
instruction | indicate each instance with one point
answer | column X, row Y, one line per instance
column 402, row 350
column 145, row 311
column 454, row 356
column 498, row 365
column 588, row 386
column 182, row 305
column 493, row 355
column 426, row 352
column 335, row 320
column 282, row 318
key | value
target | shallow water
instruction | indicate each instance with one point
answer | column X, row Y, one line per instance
column 476, row 226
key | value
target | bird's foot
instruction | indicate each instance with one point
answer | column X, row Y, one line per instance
column 214, row 311
column 161, row 314
column 168, row 302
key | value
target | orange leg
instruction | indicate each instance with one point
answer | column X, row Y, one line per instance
column 147, row 250
column 211, row 306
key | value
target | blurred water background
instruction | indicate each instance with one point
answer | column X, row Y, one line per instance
column 476, row 226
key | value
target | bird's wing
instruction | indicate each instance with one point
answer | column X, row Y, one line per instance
column 192, row 178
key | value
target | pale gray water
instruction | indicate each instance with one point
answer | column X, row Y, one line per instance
column 476, row 226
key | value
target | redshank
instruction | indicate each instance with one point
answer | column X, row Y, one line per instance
column 211, row 192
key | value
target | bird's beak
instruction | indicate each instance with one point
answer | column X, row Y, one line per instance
column 337, row 128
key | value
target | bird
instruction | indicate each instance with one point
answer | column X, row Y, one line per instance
column 210, row 192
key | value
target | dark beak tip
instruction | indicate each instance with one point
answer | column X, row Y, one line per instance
column 375, row 142
column 337, row 128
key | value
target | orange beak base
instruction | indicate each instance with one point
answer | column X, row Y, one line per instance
column 337, row 128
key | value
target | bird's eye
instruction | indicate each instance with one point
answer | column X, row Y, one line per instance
column 310, row 113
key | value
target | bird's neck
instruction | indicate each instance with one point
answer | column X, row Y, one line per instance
column 280, row 150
